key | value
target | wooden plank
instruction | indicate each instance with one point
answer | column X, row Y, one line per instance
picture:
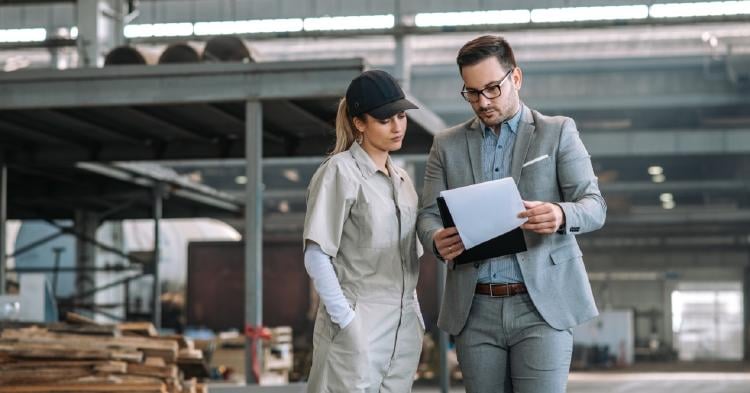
column 127, row 356
column 52, row 352
column 182, row 341
column 112, row 367
column 99, row 330
column 76, row 388
column 76, row 318
column 42, row 375
column 152, row 371
column 169, row 355
column 115, row 367
column 151, row 347
column 139, row 342
column 5, row 358
column 189, row 354
column 146, row 329
column 57, row 351
column 159, row 362
column 136, row 379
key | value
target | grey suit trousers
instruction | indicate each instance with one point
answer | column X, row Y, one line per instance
column 507, row 347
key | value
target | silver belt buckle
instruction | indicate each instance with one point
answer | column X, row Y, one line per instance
column 492, row 290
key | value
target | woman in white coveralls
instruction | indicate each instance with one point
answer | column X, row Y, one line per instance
column 361, row 249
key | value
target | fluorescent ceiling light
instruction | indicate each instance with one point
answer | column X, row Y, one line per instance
column 364, row 22
column 159, row 30
column 292, row 175
column 472, row 18
column 23, row 35
column 248, row 26
column 655, row 170
column 666, row 197
column 578, row 14
column 709, row 8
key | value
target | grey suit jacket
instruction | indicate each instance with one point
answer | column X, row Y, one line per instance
column 552, row 268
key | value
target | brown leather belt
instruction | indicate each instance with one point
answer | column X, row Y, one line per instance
column 500, row 290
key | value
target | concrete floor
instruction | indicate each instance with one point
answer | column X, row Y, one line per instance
column 645, row 383
column 714, row 377
column 706, row 377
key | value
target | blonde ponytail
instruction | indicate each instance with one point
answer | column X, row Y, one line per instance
column 345, row 131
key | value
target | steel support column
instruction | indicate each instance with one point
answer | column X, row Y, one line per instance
column 402, row 69
column 100, row 28
column 746, row 312
column 3, row 220
column 158, row 201
column 253, row 232
column 85, row 223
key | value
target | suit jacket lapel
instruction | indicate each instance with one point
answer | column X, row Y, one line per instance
column 474, row 142
column 526, row 129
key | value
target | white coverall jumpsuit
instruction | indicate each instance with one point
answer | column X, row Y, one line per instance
column 365, row 220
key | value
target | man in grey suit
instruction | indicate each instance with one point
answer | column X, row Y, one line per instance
column 512, row 315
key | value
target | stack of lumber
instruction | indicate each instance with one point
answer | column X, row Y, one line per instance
column 94, row 358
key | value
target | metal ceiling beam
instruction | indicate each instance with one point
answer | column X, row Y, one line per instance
column 176, row 189
column 686, row 217
column 622, row 187
column 176, row 84
column 30, row 134
column 128, row 152
column 50, row 43
column 82, row 127
column 615, row 85
column 278, row 110
column 203, row 120
column 663, row 142
column 713, row 186
column 146, row 126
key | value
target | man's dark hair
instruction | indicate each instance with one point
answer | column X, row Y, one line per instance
column 484, row 47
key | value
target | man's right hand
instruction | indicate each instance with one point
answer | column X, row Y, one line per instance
column 448, row 243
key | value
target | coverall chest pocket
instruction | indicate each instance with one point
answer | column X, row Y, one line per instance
column 408, row 218
column 379, row 228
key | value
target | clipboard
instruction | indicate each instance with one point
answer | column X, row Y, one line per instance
column 509, row 243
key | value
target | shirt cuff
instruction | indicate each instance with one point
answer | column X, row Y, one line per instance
column 347, row 319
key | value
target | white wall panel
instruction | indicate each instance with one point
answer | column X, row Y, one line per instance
column 11, row 17
column 271, row 9
column 62, row 15
column 175, row 11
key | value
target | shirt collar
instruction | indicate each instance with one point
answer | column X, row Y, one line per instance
column 512, row 122
column 367, row 166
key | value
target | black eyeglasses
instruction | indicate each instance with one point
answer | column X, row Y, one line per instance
column 492, row 91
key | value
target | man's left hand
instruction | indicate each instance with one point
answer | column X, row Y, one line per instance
column 544, row 217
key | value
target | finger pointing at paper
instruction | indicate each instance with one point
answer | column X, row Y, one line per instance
column 543, row 217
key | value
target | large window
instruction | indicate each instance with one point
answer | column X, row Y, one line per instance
column 707, row 322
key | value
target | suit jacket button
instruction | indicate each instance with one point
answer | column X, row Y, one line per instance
column 476, row 264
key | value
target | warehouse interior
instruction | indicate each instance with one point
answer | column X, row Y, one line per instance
column 155, row 157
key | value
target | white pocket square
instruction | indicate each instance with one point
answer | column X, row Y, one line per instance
column 534, row 161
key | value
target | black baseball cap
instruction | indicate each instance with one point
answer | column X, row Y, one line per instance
column 376, row 93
